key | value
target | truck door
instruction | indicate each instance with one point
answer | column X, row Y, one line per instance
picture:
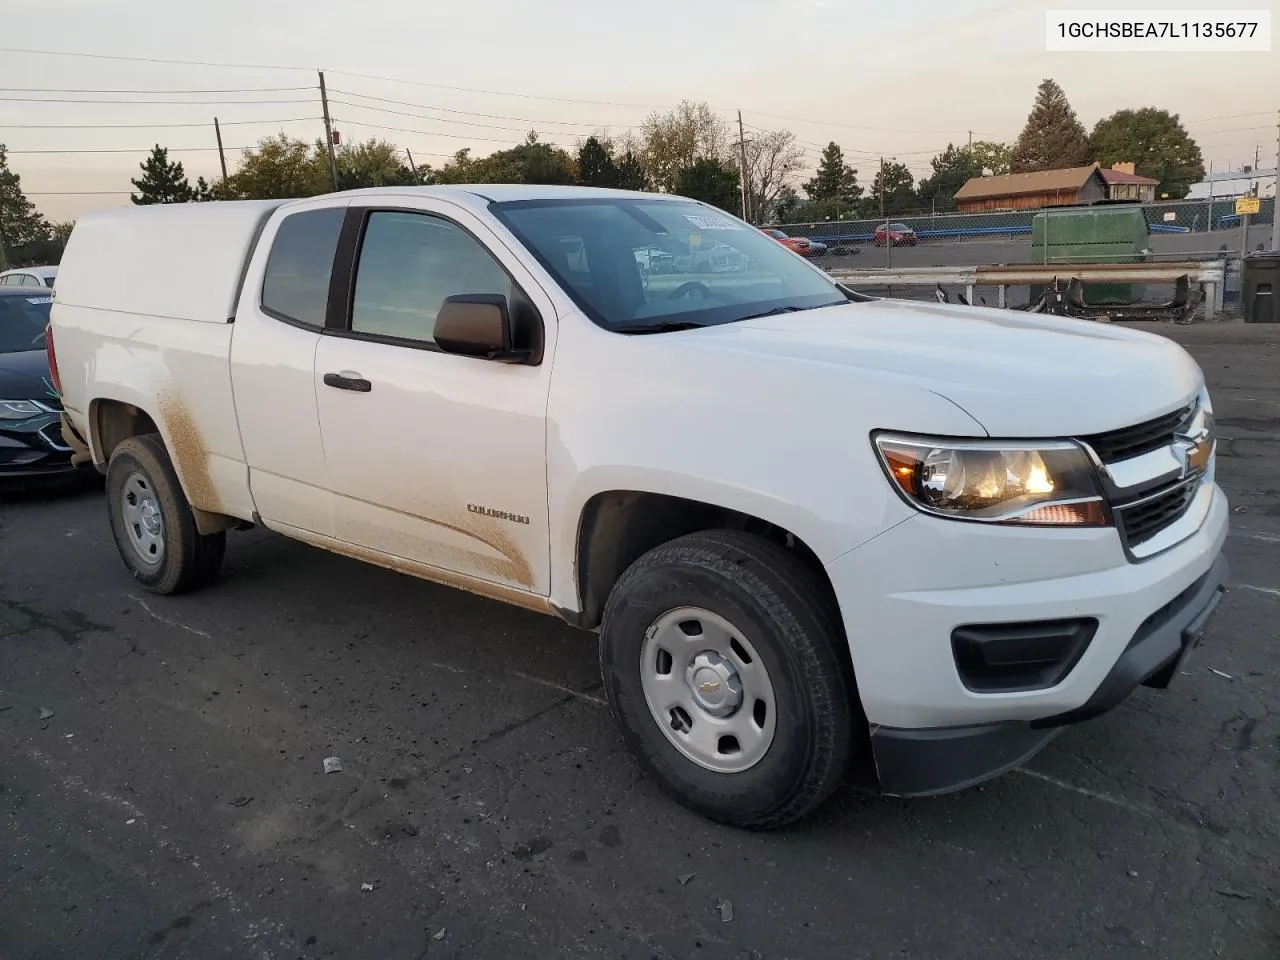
column 281, row 312
column 433, row 457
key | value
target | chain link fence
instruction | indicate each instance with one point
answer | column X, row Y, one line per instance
column 1176, row 230
column 1103, row 233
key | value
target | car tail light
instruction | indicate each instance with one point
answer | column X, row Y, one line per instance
column 53, row 359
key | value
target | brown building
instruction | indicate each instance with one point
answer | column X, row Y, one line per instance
column 1030, row 191
column 1124, row 184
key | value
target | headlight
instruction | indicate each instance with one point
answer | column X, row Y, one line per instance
column 1044, row 484
column 19, row 409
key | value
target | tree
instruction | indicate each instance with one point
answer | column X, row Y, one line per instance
column 787, row 205
column 677, row 140
column 374, row 163
column 631, row 172
column 1053, row 137
column 202, row 191
column 279, row 168
column 530, row 162
column 835, row 179
column 711, row 181
column 163, row 180
column 896, row 183
column 22, row 228
column 952, row 169
column 772, row 161
column 61, row 232
column 991, row 157
column 595, row 165
column 1156, row 142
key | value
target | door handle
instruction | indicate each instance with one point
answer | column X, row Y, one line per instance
column 344, row 382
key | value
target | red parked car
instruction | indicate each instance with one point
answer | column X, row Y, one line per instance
column 801, row 245
column 899, row 234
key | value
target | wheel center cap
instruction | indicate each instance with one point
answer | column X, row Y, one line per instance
column 150, row 514
column 715, row 684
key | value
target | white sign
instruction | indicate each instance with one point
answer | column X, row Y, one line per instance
column 1158, row 31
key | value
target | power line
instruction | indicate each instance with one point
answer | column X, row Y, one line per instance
column 142, row 126
column 124, row 150
column 180, row 63
column 430, row 133
column 167, row 103
column 165, row 91
column 466, row 123
column 345, row 73
column 468, row 113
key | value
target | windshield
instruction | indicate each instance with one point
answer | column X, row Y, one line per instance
column 22, row 323
column 646, row 263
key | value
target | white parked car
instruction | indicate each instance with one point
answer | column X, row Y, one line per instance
column 29, row 277
column 811, row 527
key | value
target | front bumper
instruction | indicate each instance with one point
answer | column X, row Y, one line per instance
column 905, row 592
column 33, row 451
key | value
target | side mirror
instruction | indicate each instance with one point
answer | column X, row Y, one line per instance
column 478, row 325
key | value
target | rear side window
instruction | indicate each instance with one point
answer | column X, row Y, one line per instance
column 296, row 286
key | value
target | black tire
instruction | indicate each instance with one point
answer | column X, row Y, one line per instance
column 190, row 559
column 777, row 604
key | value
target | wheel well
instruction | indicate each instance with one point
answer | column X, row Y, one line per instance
column 114, row 422
column 618, row 527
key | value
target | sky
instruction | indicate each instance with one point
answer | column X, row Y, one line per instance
column 879, row 77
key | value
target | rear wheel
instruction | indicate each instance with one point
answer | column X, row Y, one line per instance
column 152, row 522
column 723, row 666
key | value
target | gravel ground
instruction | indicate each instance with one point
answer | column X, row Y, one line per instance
column 163, row 795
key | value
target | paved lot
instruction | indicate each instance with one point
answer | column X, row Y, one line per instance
column 174, row 805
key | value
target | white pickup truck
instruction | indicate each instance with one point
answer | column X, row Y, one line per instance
column 812, row 528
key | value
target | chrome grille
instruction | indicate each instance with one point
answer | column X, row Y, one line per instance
column 1152, row 478
column 1127, row 442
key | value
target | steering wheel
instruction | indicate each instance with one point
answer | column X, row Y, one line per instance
column 691, row 286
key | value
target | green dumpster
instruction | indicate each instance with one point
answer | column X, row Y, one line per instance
column 1088, row 235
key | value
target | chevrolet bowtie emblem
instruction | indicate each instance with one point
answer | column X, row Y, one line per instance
column 1193, row 455
column 711, row 686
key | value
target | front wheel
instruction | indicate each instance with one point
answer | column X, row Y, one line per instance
column 722, row 664
column 152, row 522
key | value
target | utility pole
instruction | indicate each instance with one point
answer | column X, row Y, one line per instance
column 742, row 160
column 222, row 157
column 412, row 167
column 328, row 132
column 970, row 139
column 1275, row 204
column 888, row 234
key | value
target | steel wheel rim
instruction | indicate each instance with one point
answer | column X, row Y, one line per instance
column 708, row 690
column 143, row 520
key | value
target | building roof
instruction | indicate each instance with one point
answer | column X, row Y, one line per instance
column 1119, row 176
column 1015, row 184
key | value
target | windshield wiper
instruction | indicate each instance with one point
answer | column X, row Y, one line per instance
column 788, row 309
column 658, row 326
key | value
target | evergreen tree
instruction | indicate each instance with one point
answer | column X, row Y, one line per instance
column 22, row 228
column 631, row 172
column 835, row 179
column 1053, row 137
column 163, row 180
column 713, row 182
column 897, row 184
column 595, row 165
column 202, row 191
column 952, row 169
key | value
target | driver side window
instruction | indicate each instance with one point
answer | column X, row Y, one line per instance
column 409, row 264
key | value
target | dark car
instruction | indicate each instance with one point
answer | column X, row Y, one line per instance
column 32, row 450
